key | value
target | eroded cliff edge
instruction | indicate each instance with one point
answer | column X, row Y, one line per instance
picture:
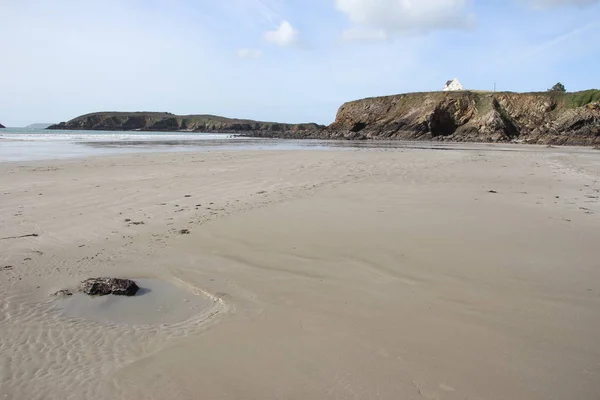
column 165, row 122
column 543, row 118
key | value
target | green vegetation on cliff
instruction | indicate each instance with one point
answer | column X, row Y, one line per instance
column 580, row 99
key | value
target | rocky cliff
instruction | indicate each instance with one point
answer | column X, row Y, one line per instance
column 2, row 126
column 544, row 118
column 151, row 121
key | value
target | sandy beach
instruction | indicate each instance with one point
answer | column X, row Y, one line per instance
column 464, row 272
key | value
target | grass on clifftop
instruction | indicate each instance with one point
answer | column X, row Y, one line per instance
column 580, row 99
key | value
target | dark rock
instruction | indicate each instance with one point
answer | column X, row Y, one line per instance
column 184, row 232
column 63, row 293
column 2, row 126
column 358, row 126
column 106, row 286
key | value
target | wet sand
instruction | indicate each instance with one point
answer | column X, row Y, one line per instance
column 156, row 302
column 468, row 272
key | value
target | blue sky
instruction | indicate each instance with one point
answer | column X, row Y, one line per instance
column 280, row 60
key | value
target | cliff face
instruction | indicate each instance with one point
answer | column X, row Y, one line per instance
column 544, row 118
column 122, row 121
column 2, row 126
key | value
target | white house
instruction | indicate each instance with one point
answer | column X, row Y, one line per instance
column 453, row 86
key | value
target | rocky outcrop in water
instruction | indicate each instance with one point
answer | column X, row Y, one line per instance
column 107, row 286
column 166, row 122
column 2, row 126
column 543, row 118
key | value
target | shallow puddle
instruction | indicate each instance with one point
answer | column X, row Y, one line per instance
column 157, row 302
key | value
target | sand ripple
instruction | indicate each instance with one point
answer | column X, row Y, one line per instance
column 75, row 355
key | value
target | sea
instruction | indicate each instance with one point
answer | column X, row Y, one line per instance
column 22, row 144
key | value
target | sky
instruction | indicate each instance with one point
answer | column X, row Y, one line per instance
column 280, row 60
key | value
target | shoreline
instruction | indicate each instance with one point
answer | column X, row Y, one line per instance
column 339, row 136
column 76, row 148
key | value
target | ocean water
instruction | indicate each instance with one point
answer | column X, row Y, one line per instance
column 20, row 144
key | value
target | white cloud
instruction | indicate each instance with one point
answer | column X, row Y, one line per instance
column 557, row 3
column 283, row 36
column 407, row 15
column 364, row 34
column 249, row 54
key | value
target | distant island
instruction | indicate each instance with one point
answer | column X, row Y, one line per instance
column 39, row 125
column 161, row 122
column 460, row 116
